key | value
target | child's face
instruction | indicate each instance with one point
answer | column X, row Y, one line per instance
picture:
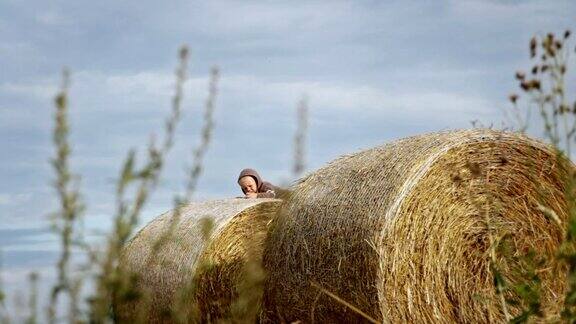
column 248, row 184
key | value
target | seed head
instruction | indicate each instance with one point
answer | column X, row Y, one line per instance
column 474, row 168
column 513, row 98
column 558, row 45
column 533, row 47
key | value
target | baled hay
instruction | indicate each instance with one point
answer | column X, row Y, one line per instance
column 177, row 279
column 401, row 231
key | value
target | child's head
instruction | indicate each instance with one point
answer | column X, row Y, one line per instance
column 248, row 184
column 249, row 180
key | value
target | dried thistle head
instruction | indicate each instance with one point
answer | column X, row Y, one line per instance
column 474, row 168
column 456, row 178
column 533, row 47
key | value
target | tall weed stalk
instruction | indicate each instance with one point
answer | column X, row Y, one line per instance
column 544, row 88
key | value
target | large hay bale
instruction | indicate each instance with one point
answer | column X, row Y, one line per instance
column 191, row 277
column 401, row 232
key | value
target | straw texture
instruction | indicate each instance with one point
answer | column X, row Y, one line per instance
column 405, row 231
column 239, row 227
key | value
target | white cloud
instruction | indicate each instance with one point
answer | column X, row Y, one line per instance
column 14, row 198
column 141, row 91
column 40, row 90
column 146, row 91
column 354, row 98
column 152, row 83
column 53, row 245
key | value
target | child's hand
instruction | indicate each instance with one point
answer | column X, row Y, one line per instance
column 251, row 195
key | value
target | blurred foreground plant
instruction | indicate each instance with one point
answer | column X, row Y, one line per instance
column 71, row 208
column 545, row 87
column 133, row 188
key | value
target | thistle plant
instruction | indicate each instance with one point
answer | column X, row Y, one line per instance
column 544, row 87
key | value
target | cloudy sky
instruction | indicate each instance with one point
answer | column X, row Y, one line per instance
column 373, row 71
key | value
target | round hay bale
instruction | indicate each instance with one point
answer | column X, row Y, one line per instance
column 410, row 232
column 191, row 276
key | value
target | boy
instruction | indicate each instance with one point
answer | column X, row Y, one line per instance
column 253, row 187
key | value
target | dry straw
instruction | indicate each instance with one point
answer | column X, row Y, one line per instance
column 191, row 278
column 408, row 232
